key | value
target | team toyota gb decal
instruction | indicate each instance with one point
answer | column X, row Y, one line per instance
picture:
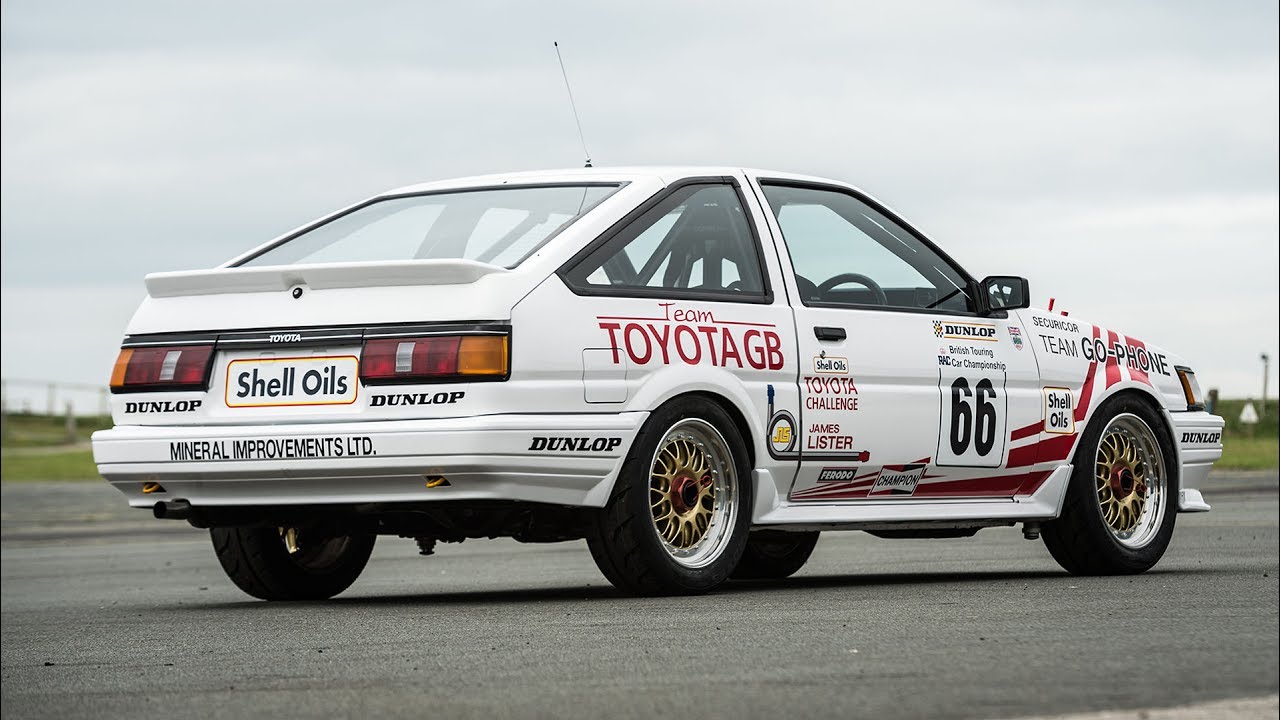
column 691, row 337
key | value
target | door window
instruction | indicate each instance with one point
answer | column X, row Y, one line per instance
column 695, row 242
column 846, row 253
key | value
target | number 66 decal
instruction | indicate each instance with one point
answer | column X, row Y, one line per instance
column 974, row 414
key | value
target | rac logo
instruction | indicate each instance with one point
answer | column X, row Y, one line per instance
column 284, row 337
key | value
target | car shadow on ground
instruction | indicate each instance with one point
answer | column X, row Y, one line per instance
column 604, row 591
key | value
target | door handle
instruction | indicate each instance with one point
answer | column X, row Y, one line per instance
column 829, row 333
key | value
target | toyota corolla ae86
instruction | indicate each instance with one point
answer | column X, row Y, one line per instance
column 696, row 370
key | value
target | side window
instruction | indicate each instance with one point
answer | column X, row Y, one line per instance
column 844, row 252
column 697, row 241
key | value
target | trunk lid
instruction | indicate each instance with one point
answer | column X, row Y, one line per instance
column 289, row 338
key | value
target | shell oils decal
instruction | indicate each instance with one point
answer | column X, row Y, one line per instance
column 692, row 337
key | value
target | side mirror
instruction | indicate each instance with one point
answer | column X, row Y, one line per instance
column 1004, row 292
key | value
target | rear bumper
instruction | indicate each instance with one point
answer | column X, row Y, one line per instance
column 560, row 459
column 1199, row 439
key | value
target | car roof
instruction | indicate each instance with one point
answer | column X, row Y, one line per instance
column 666, row 174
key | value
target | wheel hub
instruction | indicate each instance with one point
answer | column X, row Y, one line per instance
column 685, row 491
column 1122, row 482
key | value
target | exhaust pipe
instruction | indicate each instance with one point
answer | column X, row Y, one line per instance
column 172, row 510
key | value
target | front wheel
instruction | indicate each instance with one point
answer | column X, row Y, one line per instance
column 291, row 563
column 1118, row 514
column 677, row 520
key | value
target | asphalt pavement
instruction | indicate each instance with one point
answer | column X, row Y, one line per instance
column 108, row 613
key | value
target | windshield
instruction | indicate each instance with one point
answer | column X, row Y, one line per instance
column 499, row 226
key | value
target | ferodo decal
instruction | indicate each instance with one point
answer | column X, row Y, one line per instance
column 830, row 365
column 983, row 332
column 439, row 398
column 165, row 406
column 574, row 444
column 830, row 393
column 290, row 448
column 1059, row 411
column 900, row 482
column 837, row 474
column 1202, row 438
column 692, row 337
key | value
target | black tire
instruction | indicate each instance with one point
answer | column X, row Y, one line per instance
column 259, row 563
column 1080, row 539
column 624, row 537
column 774, row 554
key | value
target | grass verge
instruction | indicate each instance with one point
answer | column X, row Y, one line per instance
column 29, row 467
column 1240, row 452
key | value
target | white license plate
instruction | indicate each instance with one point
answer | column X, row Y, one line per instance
column 292, row 381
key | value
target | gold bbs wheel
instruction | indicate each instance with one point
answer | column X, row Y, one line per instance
column 1130, row 479
column 692, row 483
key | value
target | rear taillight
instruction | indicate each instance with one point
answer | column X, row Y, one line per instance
column 151, row 369
column 435, row 359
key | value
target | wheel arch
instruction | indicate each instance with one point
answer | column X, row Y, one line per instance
column 736, row 415
column 1156, row 405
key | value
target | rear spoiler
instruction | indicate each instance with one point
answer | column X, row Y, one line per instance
column 318, row 277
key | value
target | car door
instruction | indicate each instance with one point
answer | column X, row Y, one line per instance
column 682, row 296
column 905, row 392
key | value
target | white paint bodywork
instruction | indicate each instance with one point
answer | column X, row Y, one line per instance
column 577, row 371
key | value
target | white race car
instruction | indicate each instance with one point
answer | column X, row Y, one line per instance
column 694, row 369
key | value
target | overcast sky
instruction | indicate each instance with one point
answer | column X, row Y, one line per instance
column 1121, row 155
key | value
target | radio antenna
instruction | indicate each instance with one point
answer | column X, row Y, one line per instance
column 572, row 105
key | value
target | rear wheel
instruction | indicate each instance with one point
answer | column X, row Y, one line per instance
column 774, row 554
column 1117, row 517
column 291, row 563
column 677, row 520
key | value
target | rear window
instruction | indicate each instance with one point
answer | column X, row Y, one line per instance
column 500, row 226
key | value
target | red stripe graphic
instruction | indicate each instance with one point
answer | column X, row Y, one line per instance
column 1033, row 483
column 1136, row 372
column 1026, row 432
column 1086, row 391
column 994, row 486
column 1113, row 365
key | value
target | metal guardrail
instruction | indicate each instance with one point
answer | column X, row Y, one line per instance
column 53, row 397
